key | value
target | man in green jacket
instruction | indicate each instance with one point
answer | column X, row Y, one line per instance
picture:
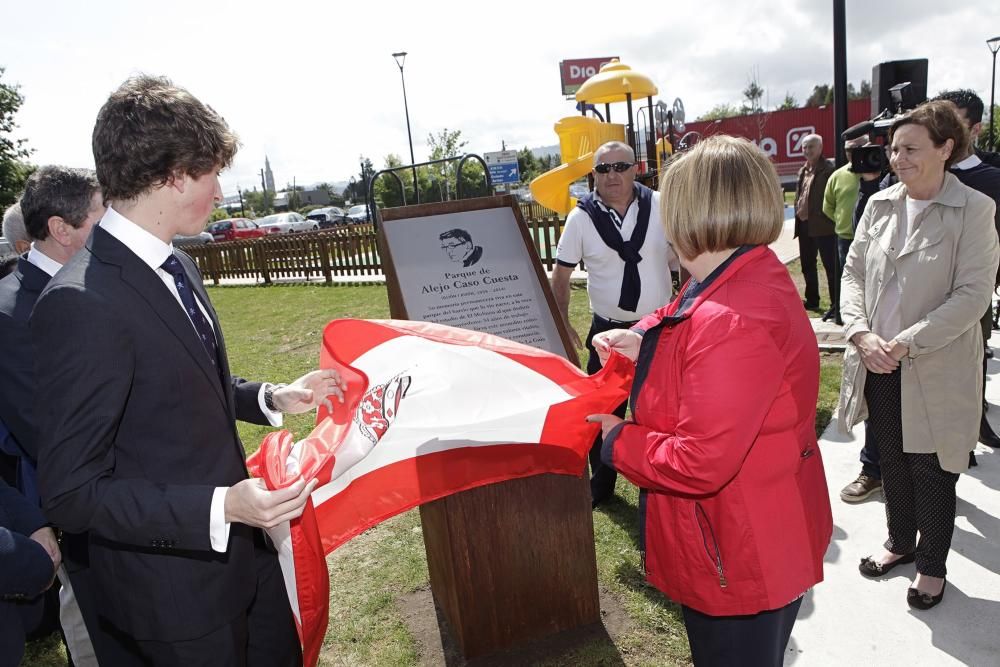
column 839, row 198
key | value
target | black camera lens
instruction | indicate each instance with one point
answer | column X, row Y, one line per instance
column 869, row 159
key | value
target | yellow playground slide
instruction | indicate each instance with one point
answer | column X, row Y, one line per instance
column 551, row 189
column 579, row 137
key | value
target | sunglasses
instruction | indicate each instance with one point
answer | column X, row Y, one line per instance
column 619, row 167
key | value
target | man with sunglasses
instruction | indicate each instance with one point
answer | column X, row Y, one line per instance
column 617, row 233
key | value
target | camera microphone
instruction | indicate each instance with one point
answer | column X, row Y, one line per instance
column 859, row 130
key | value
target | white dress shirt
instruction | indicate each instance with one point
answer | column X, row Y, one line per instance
column 43, row 261
column 153, row 252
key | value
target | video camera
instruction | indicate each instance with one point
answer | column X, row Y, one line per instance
column 871, row 158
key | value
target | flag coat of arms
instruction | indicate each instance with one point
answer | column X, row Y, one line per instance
column 429, row 410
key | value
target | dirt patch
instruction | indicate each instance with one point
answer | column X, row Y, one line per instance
column 430, row 630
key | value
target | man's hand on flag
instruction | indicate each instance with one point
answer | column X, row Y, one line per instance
column 310, row 391
column 607, row 422
column 251, row 503
column 623, row 341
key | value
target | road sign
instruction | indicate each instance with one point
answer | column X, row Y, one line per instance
column 503, row 167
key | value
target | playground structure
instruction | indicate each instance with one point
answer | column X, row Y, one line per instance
column 580, row 136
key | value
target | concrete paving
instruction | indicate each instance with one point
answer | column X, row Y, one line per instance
column 851, row 620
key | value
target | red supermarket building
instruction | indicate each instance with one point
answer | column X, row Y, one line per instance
column 780, row 133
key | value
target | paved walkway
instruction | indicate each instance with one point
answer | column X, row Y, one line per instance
column 850, row 620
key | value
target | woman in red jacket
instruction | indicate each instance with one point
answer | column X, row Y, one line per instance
column 735, row 510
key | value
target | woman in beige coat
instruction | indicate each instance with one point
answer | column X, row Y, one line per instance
column 918, row 278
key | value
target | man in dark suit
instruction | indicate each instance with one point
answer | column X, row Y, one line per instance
column 138, row 443
column 29, row 556
column 59, row 207
column 814, row 229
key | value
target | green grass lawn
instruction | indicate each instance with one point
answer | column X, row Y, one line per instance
column 273, row 333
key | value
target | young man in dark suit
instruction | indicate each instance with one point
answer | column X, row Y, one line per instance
column 138, row 443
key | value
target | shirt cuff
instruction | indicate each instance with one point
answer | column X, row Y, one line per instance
column 274, row 418
column 218, row 527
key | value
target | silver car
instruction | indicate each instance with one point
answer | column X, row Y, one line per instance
column 286, row 223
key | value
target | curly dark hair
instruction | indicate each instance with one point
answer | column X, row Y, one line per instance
column 53, row 190
column 967, row 100
column 150, row 130
column 942, row 123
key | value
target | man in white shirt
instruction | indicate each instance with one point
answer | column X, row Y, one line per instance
column 138, row 443
column 617, row 233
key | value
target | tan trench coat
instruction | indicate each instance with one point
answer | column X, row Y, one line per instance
column 946, row 272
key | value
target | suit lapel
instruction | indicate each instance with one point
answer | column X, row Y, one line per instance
column 148, row 286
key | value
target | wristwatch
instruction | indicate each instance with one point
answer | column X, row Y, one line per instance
column 269, row 390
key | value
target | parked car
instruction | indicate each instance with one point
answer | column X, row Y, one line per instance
column 198, row 239
column 234, row 229
column 328, row 217
column 358, row 214
column 286, row 223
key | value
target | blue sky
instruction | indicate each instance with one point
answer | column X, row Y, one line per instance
column 313, row 84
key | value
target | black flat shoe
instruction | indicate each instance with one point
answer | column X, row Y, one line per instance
column 872, row 569
column 920, row 600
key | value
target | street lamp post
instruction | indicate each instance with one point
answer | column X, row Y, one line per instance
column 400, row 59
column 994, row 45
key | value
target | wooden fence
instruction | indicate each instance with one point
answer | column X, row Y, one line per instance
column 347, row 251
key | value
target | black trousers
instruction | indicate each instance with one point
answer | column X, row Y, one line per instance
column 602, row 477
column 264, row 636
column 869, row 453
column 826, row 248
column 758, row 640
column 919, row 494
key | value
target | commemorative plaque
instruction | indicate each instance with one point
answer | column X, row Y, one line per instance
column 511, row 562
column 471, row 264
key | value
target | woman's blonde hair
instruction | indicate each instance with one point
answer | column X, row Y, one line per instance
column 721, row 194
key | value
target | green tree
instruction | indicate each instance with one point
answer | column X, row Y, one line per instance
column 865, row 91
column 788, row 103
column 440, row 179
column 219, row 214
column 13, row 170
column 821, row 94
column 983, row 142
column 752, row 95
column 720, row 111
column 528, row 165
column 336, row 199
column 257, row 203
column 387, row 192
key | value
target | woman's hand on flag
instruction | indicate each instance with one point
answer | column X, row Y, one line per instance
column 310, row 391
column 623, row 341
column 607, row 422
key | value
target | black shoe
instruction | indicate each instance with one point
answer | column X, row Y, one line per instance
column 872, row 569
column 810, row 306
column 972, row 460
column 988, row 352
column 987, row 436
column 920, row 600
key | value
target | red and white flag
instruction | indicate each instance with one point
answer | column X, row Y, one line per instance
column 429, row 410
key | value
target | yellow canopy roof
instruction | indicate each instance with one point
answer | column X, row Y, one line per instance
column 613, row 82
